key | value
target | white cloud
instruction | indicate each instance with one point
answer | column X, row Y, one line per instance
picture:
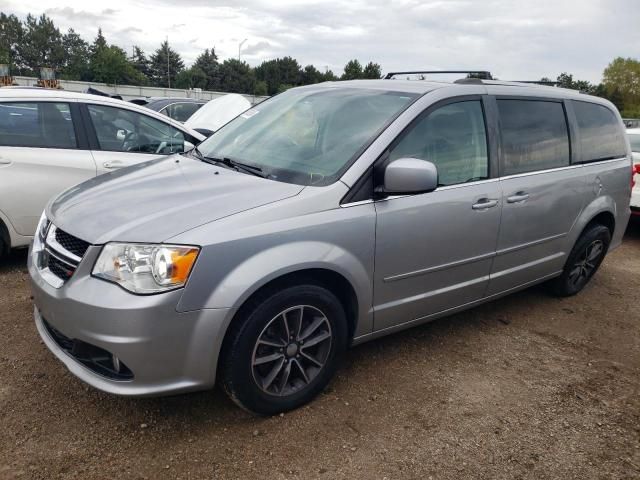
column 515, row 39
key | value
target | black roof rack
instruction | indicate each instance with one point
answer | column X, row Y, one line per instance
column 480, row 74
column 538, row 82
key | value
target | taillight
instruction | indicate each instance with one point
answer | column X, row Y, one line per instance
column 635, row 169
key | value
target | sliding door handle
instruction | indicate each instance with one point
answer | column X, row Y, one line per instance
column 518, row 197
column 484, row 203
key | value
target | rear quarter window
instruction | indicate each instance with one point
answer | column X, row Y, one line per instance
column 601, row 136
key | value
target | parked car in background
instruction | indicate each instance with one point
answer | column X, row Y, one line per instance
column 323, row 217
column 53, row 139
column 634, row 140
column 179, row 109
column 218, row 112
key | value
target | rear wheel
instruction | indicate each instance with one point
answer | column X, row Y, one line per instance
column 284, row 349
column 583, row 262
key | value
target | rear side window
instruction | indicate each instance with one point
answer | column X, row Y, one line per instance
column 36, row 124
column 601, row 137
column 534, row 136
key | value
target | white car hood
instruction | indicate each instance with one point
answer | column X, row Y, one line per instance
column 217, row 112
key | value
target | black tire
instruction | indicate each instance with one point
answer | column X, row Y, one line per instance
column 582, row 262
column 247, row 383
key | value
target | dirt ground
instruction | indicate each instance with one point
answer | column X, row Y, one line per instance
column 529, row 386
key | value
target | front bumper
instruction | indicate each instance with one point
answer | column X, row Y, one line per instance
column 166, row 351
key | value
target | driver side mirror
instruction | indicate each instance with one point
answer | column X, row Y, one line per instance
column 409, row 175
column 188, row 146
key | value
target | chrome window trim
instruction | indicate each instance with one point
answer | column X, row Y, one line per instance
column 541, row 172
column 443, row 188
column 604, row 162
column 355, row 204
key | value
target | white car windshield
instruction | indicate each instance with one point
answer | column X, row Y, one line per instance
column 308, row 136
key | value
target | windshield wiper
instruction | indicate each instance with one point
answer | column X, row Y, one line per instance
column 231, row 163
column 236, row 165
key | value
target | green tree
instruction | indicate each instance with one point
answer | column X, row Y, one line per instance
column 140, row 62
column 352, row 70
column 41, row 45
column 192, row 77
column 328, row 76
column 76, row 57
column 109, row 64
column 99, row 43
column 290, row 71
column 372, row 70
column 260, row 88
column 310, row 75
column 621, row 79
column 280, row 71
column 269, row 73
column 11, row 37
column 165, row 61
column 207, row 62
column 237, row 77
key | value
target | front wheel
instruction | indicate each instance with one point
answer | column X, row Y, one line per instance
column 284, row 349
column 583, row 261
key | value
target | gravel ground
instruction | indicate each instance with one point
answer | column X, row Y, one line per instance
column 529, row 386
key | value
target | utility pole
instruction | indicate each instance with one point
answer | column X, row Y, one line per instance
column 168, row 74
column 240, row 47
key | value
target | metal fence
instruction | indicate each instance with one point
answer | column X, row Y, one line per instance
column 129, row 92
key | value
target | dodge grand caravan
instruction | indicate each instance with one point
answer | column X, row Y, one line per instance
column 324, row 217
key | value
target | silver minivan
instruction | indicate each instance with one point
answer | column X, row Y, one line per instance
column 324, row 217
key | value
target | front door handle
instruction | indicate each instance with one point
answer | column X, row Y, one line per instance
column 115, row 164
column 4, row 161
column 518, row 197
column 484, row 203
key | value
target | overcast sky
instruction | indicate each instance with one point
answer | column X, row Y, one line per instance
column 514, row 39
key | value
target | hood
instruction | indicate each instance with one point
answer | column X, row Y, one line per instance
column 156, row 200
column 217, row 112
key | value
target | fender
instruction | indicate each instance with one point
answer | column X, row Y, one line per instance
column 256, row 271
column 601, row 204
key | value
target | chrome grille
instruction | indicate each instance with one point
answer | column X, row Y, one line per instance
column 57, row 254
column 72, row 244
column 60, row 268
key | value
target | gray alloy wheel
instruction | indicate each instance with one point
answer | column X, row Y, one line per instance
column 291, row 350
column 583, row 261
column 586, row 263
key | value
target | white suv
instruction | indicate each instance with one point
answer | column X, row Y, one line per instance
column 52, row 139
column 634, row 140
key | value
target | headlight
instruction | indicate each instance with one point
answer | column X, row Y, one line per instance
column 43, row 226
column 143, row 268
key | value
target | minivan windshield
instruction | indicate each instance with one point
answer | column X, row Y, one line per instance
column 308, row 136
